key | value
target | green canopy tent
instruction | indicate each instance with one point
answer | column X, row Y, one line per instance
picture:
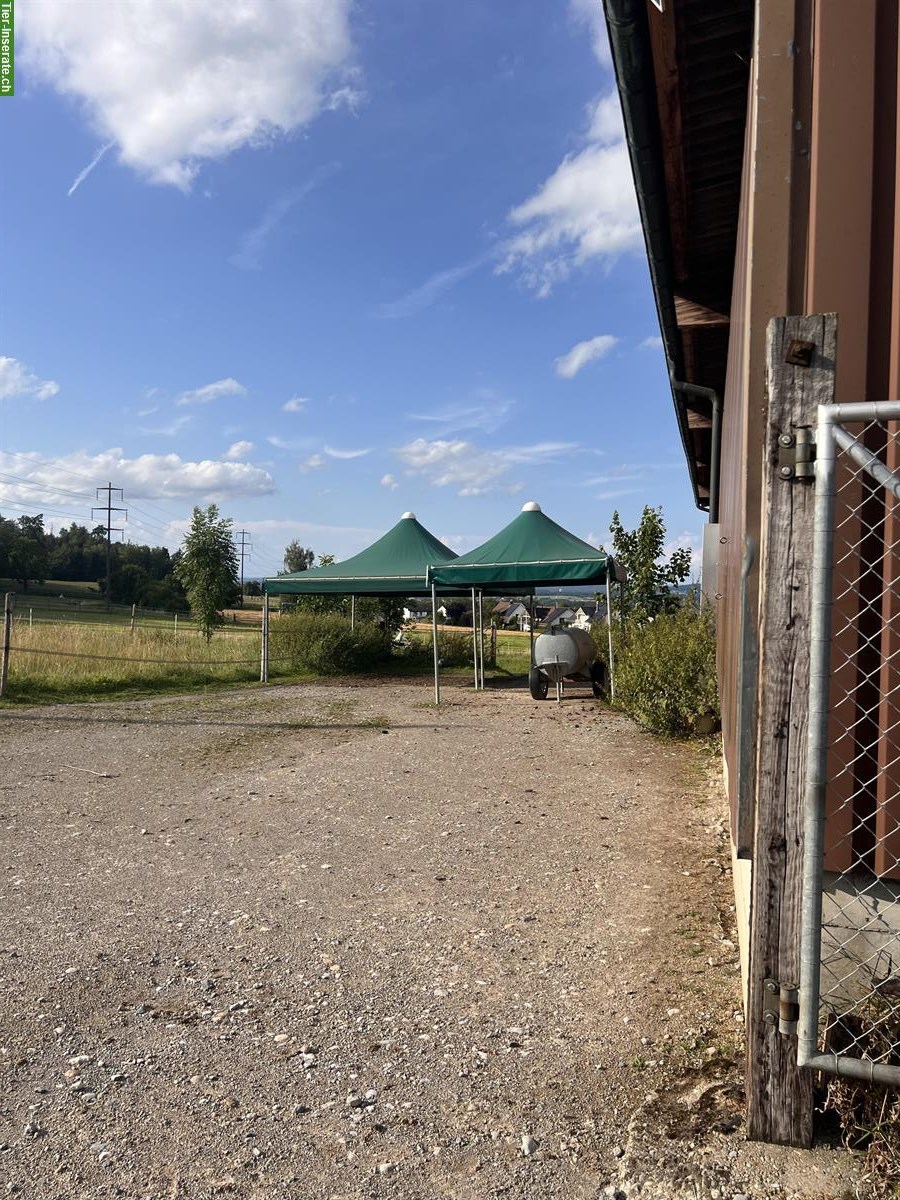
column 532, row 551
column 395, row 565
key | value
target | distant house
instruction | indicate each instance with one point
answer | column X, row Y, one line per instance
column 558, row 618
column 420, row 610
column 588, row 614
column 511, row 612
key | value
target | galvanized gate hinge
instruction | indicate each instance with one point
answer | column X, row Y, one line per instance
column 797, row 455
column 781, row 1006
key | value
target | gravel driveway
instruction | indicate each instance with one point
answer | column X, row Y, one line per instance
column 328, row 941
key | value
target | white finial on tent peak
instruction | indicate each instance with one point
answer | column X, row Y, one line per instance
column 408, row 516
column 531, row 506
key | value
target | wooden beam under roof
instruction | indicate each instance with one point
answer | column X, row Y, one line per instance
column 691, row 315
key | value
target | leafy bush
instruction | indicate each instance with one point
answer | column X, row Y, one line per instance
column 454, row 650
column 326, row 645
column 666, row 670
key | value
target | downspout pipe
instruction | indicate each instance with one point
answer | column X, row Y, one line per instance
column 715, row 400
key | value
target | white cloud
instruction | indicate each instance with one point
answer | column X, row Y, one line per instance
column 172, row 429
column 238, row 450
column 250, row 250
column 18, row 382
column 296, row 404
column 584, row 212
column 174, row 83
column 313, row 463
column 617, row 475
column 149, row 476
column 346, row 454
column 212, row 391
column 349, row 97
column 616, row 494
column 340, row 540
column 281, row 443
column 582, row 353
column 431, row 290
column 486, row 416
column 83, row 174
column 461, row 542
column 605, row 120
column 687, row 541
column 473, row 470
column 589, row 13
column 654, row 342
column 389, row 482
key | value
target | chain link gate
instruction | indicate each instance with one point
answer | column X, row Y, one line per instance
column 849, row 1020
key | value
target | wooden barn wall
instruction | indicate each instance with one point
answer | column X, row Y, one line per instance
column 853, row 226
column 731, row 508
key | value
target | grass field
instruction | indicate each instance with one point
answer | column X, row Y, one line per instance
column 54, row 661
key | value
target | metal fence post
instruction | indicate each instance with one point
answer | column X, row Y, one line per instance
column 817, row 741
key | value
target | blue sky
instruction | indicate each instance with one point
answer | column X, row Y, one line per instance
column 333, row 260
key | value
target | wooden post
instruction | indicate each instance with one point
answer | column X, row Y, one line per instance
column 779, row 1095
column 133, row 613
column 7, row 640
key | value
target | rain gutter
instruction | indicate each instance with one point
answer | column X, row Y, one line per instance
column 629, row 40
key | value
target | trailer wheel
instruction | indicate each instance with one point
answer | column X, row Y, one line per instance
column 537, row 684
column 600, row 680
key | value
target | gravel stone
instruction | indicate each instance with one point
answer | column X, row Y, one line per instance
column 493, row 905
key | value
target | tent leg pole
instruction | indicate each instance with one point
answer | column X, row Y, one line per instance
column 612, row 657
column 437, row 667
column 352, row 613
column 474, row 641
column 264, row 642
column 481, row 635
column 531, row 631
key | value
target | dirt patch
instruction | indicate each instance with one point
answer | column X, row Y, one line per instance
column 331, row 941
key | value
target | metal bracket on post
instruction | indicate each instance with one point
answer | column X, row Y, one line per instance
column 781, row 1006
column 797, row 455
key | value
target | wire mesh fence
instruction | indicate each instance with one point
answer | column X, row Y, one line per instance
column 850, row 993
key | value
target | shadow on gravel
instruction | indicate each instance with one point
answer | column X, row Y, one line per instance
column 210, row 722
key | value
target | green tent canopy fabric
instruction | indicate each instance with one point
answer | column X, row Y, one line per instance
column 395, row 565
column 532, row 551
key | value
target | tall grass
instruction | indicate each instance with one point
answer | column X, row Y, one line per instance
column 56, row 661
column 74, row 661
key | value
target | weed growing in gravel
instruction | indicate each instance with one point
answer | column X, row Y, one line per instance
column 869, row 1115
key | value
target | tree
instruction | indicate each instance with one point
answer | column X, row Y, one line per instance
column 24, row 550
column 458, row 612
column 297, row 557
column 208, row 568
column 651, row 579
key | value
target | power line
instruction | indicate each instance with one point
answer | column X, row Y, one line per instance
column 52, row 489
column 110, row 509
column 55, row 466
column 245, row 548
column 40, row 509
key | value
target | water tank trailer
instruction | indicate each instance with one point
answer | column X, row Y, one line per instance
column 566, row 654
